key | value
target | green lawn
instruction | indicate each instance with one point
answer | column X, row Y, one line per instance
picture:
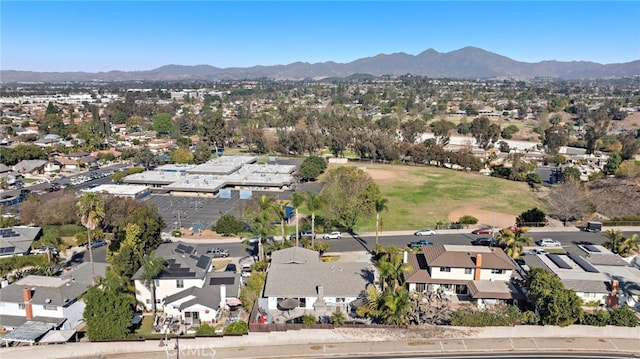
column 422, row 196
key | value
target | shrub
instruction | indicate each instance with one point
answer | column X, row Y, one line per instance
column 228, row 225
column 623, row 317
column 467, row 220
column 308, row 319
column 239, row 327
column 205, row 329
column 599, row 318
column 497, row 315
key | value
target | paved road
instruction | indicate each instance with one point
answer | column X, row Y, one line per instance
column 400, row 239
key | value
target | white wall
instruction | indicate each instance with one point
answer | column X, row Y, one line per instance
column 164, row 288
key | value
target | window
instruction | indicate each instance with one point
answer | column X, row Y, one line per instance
column 20, row 305
column 179, row 283
column 468, row 270
column 421, row 287
column 340, row 300
column 148, row 301
column 497, row 271
column 50, row 307
column 445, row 269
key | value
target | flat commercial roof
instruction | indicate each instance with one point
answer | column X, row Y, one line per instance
column 218, row 173
column 119, row 190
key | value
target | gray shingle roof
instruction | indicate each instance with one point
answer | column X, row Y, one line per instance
column 209, row 294
column 58, row 291
column 183, row 262
column 17, row 240
column 299, row 278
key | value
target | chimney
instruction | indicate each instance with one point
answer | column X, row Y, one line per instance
column 614, row 286
column 320, row 292
column 405, row 257
column 223, row 295
column 476, row 273
column 26, row 296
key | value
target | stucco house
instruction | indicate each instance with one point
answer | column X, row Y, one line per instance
column 185, row 269
column 481, row 275
column 204, row 304
column 52, row 300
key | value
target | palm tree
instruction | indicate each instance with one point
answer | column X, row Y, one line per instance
column 396, row 306
column 90, row 208
column 630, row 245
column 380, row 205
column 297, row 199
column 614, row 240
column 315, row 202
column 391, row 267
column 281, row 211
column 513, row 243
column 262, row 214
column 151, row 267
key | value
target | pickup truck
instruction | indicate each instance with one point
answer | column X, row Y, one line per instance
column 419, row 244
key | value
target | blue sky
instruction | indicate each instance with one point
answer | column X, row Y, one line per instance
column 143, row 35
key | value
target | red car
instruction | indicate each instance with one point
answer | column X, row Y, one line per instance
column 482, row 231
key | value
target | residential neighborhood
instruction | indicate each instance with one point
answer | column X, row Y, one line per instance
column 182, row 211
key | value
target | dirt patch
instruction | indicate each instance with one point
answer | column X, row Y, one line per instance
column 485, row 218
column 377, row 174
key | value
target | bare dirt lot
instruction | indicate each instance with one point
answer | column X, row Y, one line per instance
column 485, row 218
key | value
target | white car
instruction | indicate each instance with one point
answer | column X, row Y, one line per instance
column 332, row 235
column 548, row 242
column 425, row 232
column 540, row 251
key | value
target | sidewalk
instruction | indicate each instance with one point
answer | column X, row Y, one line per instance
column 313, row 343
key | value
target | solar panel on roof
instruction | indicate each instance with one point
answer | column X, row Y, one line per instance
column 7, row 250
column 583, row 263
column 203, row 262
column 221, row 280
column 558, row 261
column 591, row 248
column 181, row 247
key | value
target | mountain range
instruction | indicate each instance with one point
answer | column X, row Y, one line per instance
column 468, row 62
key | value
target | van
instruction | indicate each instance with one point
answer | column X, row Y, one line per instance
column 593, row 227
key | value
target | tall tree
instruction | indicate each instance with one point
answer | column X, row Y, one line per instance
column 109, row 309
column 90, row 208
column 315, row 202
column 568, row 201
column 484, row 132
column 214, row 129
column 513, row 243
column 350, row 193
column 261, row 213
column 151, row 267
column 556, row 304
column 381, row 204
column 297, row 199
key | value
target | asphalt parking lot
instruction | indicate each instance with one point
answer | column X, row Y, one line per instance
column 184, row 212
column 189, row 212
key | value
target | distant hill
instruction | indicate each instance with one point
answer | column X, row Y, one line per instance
column 468, row 62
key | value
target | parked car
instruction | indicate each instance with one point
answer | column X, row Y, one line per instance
column 43, row 250
column 540, row 251
column 301, row 234
column 217, row 252
column 419, row 244
column 593, row 227
column 332, row 235
column 482, row 231
column 484, row 241
column 425, row 232
column 231, row 267
column 548, row 242
column 97, row 243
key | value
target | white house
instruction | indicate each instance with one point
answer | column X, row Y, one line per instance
column 196, row 305
column 52, row 300
column 185, row 269
column 479, row 274
column 298, row 273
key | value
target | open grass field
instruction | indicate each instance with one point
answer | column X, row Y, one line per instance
column 422, row 196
